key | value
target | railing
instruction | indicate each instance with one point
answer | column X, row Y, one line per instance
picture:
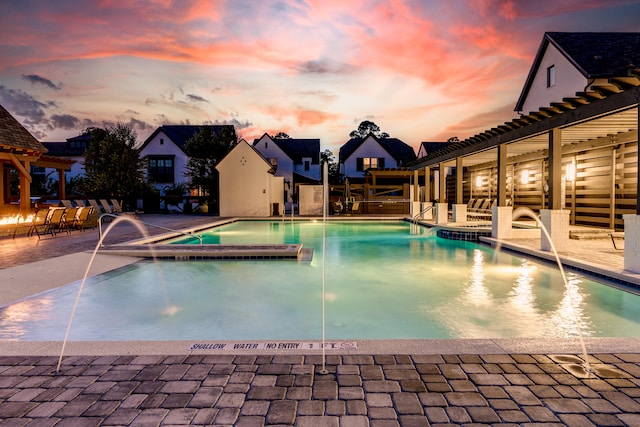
column 422, row 212
column 197, row 236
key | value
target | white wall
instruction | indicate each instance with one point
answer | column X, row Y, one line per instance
column 246, row 186
column 310, row 199
column 168, row 148
column 369, row 148
column 568, row 81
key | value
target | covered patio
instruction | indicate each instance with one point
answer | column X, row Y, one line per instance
column 574, row 162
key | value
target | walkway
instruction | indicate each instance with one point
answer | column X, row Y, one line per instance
column 420, row 383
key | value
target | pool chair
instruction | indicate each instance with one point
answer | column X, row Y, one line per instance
column 355, row 207
column 55, row 221
column 80, row 203
column 96, row 206
column 68, row 219
column 38, row 223
column 106, row 206
column 66, row 203
column 617, row 236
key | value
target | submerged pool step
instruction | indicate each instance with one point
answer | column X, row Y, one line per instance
column 212, row 252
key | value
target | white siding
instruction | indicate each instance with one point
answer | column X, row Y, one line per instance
column 168, row 148
column 369, row 148
column 246, row 186
column 568, row 81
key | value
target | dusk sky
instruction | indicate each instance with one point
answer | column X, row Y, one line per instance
column 423, row 70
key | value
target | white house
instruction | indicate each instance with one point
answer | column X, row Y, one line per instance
column 430, row 147
column 164, row 151
column 248, row 186
column 360, row 154
column 570, row 64
column 296, row 160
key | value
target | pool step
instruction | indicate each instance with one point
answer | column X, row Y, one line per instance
column 212, row 252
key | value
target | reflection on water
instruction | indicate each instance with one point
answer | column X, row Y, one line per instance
column 381, row 282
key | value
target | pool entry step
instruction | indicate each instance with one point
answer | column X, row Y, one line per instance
column 213, row 252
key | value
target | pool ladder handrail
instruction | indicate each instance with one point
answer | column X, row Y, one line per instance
column 197, row 236
column 422, row 212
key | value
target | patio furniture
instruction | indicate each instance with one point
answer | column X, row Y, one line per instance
column 68, row 219
column 38, row 223
column 80, row 203
column 106, row 206
column 66, row 203
column 96, row 206
column 55, row 221
column 617, row 236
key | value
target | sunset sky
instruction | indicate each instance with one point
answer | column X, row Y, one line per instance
column 423, row 70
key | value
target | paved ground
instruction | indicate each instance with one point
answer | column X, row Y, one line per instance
column 403, row 389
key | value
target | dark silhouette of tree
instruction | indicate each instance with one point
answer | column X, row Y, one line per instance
column 334, row 169
column 281, row 135
column 205, row 149
column 453, row 139
column 113, row 166
column 365, row 128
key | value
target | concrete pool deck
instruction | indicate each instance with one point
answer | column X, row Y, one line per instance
column 381, row 383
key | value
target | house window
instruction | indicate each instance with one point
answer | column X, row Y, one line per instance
column 161, row 141
column 551, row 76
column 161, row 169
column 306, row 165
column 364, row 163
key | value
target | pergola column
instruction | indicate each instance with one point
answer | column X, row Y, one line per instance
column 427, row 184
column 442, row 184
column 555, row 169
column 61, row 185
column 25, row 191
column 459, row 208
column 2, row 185
column 632, row 224
column 501, row 214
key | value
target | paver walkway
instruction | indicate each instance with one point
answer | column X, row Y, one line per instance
column 360, row 390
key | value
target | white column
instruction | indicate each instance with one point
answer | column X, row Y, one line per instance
column 442, row 215
column 632, row 242
column 460, row 212
column 556, row 223
column 501, row 219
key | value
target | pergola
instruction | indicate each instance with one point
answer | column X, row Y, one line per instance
column 20, row 150
column 605, row 116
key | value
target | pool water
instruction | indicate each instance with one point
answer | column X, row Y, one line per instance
column 383, row 280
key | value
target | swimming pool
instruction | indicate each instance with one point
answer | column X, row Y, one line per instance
column 382, row 282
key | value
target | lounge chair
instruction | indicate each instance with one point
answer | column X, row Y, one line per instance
column 355, row 207
column 68, row 219
column 617, row 236
column 80, row 219
column 38, row 223
column 80, row 203
column 55, row 220
column 66, row 203
column 115, row 207
column 106, row 206
column 96, row 206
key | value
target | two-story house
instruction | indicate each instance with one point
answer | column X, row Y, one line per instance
column 360, row 154
column 296, row 160
column 164, row 151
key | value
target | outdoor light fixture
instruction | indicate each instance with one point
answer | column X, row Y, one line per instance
column 524, row 179
column 479, row 181
column 571, row 172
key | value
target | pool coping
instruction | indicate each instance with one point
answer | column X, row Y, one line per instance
column 398, row 346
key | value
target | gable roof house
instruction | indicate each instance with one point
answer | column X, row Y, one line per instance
column 296, row 160
column 164, row 150
column 72, row 150
column 430, row 147
column 574, row 64
column 248, row 186
column 359, row 154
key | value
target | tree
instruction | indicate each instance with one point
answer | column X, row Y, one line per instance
column 282, row 135
column 205, row 149
column 334, row 168
column 113, row 167
column 365, row 128
column 453, row 139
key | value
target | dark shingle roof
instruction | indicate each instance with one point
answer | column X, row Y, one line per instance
column 13, row 134
column 430, row 147
column 600, row 54
column 595, row 55
column 399, row 150
column 297, row 149
column 180, row 134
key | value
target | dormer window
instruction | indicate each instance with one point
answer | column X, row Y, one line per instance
column 551, row 76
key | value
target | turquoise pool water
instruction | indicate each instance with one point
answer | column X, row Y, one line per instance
column 384, row 280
